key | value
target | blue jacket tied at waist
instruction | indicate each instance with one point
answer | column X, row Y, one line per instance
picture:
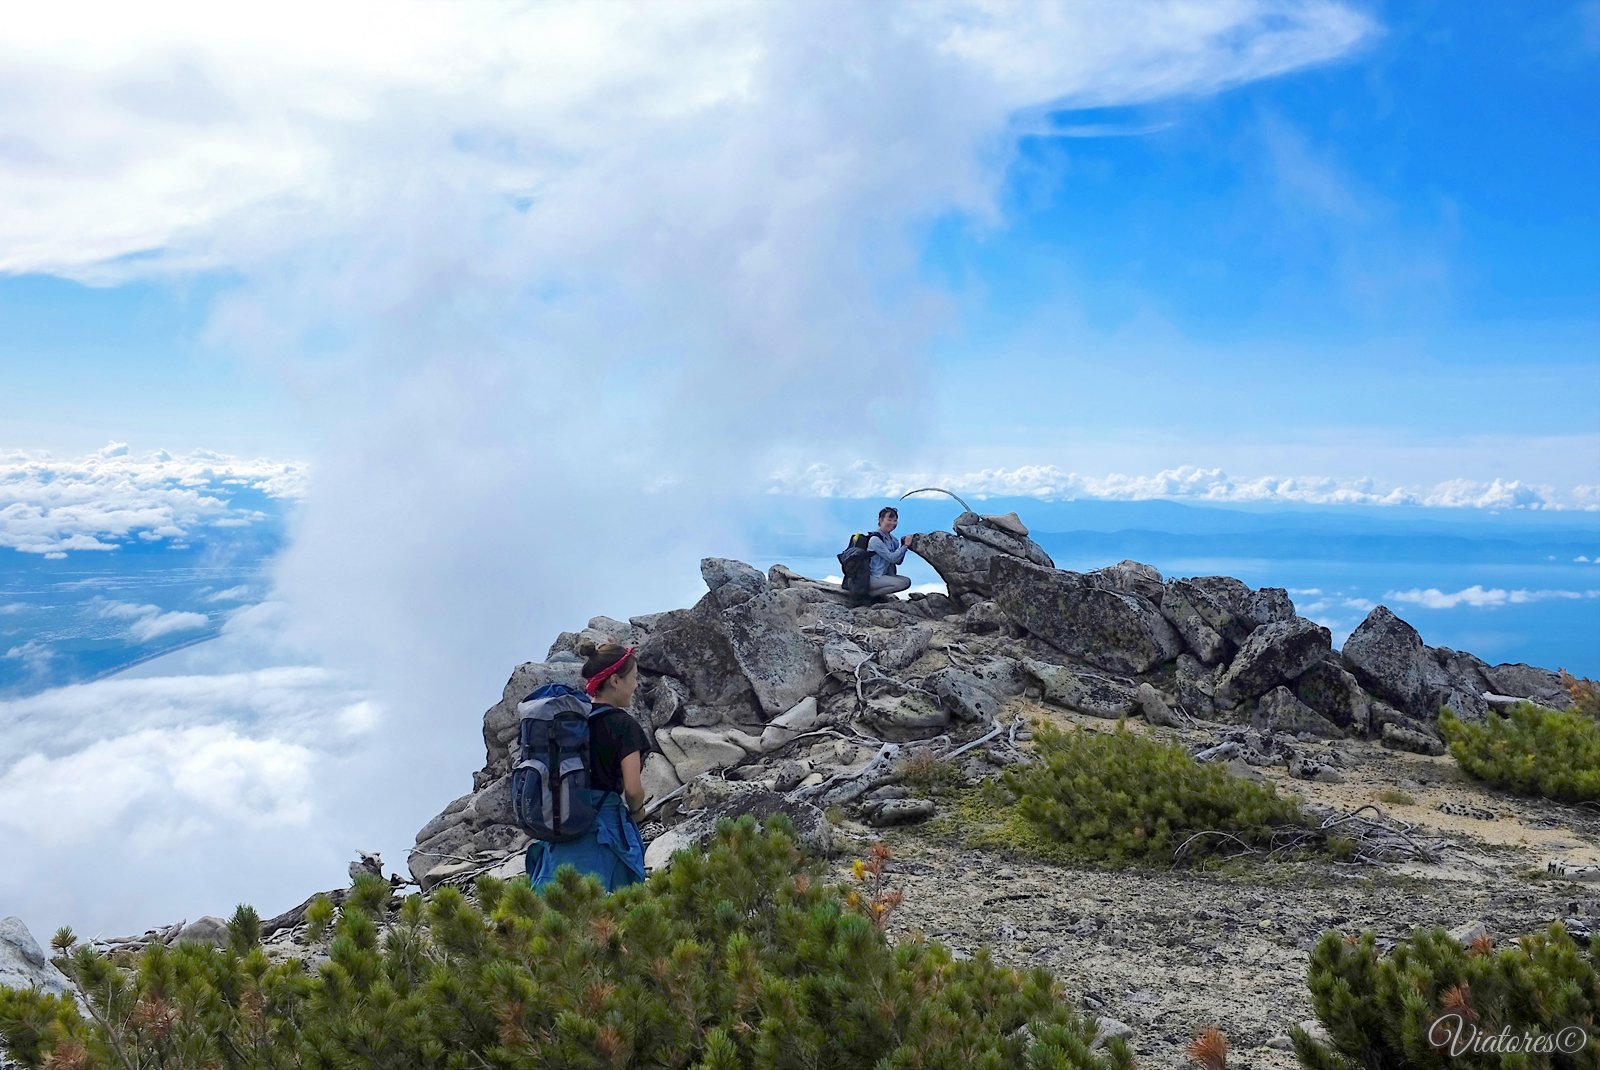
column 611, row 849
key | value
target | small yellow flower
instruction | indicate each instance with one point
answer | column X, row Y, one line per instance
column 852, row 899
column 859, row 868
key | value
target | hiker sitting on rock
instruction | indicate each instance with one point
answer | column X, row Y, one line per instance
column 887, row 552
column 612, row 849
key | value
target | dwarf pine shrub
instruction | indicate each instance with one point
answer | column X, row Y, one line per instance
column 1432, row 1003
column 1120, row 797
column 734, row 958
column 1530, row 750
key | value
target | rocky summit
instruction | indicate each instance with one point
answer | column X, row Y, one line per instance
column 778, row 684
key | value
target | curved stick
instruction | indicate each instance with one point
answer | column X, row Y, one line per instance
column 940, row 490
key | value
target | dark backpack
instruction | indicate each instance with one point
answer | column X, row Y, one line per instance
column 856, row 561
column 550, row 781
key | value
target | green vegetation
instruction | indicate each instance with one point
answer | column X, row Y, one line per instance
column 1432, row 1003
column 1530, row 750
column 1396, row 797
column 928, row 774
column 734, row 958
column 1116, row 798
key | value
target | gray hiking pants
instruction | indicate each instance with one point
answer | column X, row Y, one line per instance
column 881, row 585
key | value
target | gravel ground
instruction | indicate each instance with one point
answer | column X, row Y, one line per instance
column 1168, row 953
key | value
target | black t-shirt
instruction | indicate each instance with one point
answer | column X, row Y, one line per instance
column 613, row 735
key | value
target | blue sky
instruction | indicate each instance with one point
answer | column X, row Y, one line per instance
column 1385, row 264
column 459, row 280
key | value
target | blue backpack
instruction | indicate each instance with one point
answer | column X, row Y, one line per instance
column 550, row 782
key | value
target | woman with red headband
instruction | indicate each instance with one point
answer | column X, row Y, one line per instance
column 612, row 850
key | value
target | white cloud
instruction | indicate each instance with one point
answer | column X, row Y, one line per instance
column 1479, row 596
column 214, row 785
column 34, row 656
column 1188, row 482
column 52, row 505
column 502, row 252
column 154, row 627
column 232, row 594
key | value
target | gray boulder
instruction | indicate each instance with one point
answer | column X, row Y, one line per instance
column 1397, row 738
column 962, row 563
column 1225, row 605
column 964, row 695
column 430, row 860
column 906, row 717
column 1526, row 681
column 692, row 751
column 209, row 930
column 1085, row 692
column 1388, row 656
column 691, row 645
column 1117, row 632
column 1130, row 577
column 1002, row 537
column 1153, row 706
column 886, row 813
column 1193, row 686
column 1273, row 654
column 781, row 664
column 23, row 963
column 901, row 647
column 1280, row 711
column 732, row 582
column 812, row 832
column 1203, row 640
column 1330, row 690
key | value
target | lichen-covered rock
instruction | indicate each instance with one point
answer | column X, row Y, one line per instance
column 901, row 647
column 1335, row 694
column 811, row 828
column 780, row 663
column 1525, row 681
column 1111, row 630
column 1280, row 711
column 964, row 695
column 732, row 582
column 1002, row 537
column 1388, row 656
column 693, row 751
column 1226, row 605
column 1273, row 654
column 1130, row 577
column 1085, row 692
column 1416, row 742
column 690, row 644
column 962, row 563
column 906, row 717
column 1204, row 641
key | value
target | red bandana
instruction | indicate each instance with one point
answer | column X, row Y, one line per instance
column 593, row 686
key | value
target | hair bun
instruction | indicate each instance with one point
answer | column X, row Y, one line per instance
column 587, row 648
